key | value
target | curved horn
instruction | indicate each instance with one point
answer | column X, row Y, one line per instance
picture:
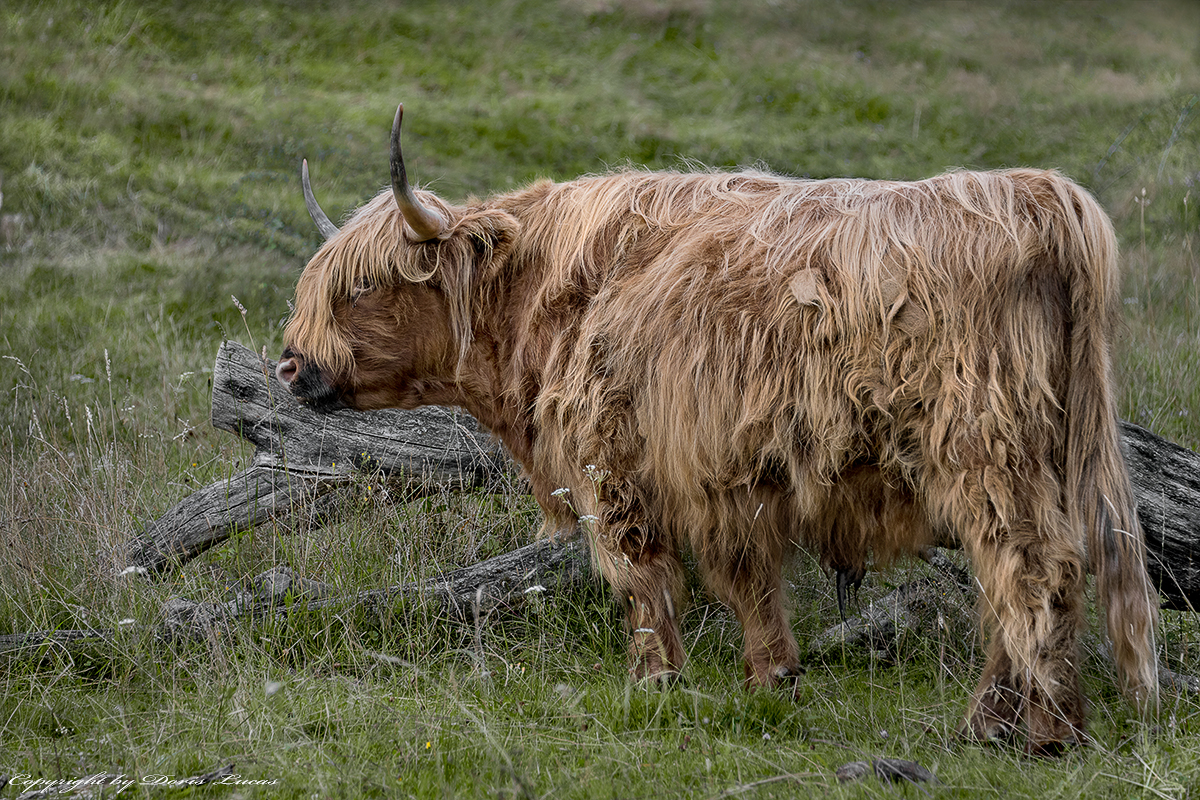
column 327, row 228
column 425, row 223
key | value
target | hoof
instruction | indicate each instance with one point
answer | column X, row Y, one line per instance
column 787, row 677
column 666, row 679
column 994, row 714
column 1053, row 748
column 1050, row 735
column 988, row 730
column 779, row 675
column 1055, row 739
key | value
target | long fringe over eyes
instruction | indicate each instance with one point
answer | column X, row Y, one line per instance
column 369, row 250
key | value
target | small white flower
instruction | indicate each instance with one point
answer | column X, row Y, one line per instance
column 535, row 589
column 595, row 473
column 589, row 519
column 126, row 621
column 560, row 492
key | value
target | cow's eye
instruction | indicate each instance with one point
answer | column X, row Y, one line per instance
column 360, row 291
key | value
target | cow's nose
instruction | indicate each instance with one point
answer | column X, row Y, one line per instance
column 286, row 370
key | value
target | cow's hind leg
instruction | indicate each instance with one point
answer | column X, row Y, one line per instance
column 995, row 712
column 1030, row 570
column 642, row 564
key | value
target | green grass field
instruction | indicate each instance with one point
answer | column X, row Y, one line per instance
column 150, row 153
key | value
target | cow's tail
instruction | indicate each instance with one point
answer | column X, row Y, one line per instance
column 1100, row 497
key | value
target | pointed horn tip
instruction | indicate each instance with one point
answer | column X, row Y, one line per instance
column 326, row 228
column 425, row 222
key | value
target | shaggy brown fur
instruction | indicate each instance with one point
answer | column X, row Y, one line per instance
column 743, row 363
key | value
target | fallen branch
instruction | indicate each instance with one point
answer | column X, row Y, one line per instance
column 1166, row 480
column 301, row 458
column 543, row 567
column 938, row 605
column 506, row 580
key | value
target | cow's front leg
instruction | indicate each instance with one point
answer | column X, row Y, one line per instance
column 643, row 566
column 746, row 573
column 656, row 647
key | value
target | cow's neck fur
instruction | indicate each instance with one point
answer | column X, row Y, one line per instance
column 501, row 373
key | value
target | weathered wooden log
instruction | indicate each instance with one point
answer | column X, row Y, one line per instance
column 220, row 510
column 300, row 456
column 545, row 566
column 443, row 446
column 938, row 605
column 1166, row 480
column 17, row 642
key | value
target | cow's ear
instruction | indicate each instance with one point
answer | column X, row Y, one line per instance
column 492, row 234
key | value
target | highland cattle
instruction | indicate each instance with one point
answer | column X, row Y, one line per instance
column 743, row 364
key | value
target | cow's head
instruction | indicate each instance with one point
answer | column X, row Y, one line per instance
column 383, row 311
